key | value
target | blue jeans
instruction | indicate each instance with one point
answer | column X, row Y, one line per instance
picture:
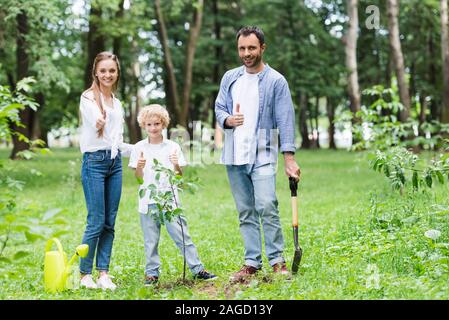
column 254, row 192
column 102, row 184
column 151, row 234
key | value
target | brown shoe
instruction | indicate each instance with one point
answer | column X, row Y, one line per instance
column 281, row 268
column 244, row 273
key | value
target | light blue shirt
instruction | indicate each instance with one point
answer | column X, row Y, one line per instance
column 276, row 118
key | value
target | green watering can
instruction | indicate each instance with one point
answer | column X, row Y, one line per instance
column 58, row 274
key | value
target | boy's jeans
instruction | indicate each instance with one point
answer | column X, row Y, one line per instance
column 102, row 184
column 151, row 234
column 254, row 192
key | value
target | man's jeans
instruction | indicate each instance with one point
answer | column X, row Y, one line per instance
column 254, row 192
column 151, row 234
column 102, row 184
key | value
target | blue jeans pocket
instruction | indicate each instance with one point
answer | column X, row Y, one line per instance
column 95, row 156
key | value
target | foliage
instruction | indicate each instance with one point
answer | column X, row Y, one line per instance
column 404, row 260
column 167, row 204
column 400, row 167
column 380, row 132
column 14, row 219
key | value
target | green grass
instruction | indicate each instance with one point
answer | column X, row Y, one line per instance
column 357, row 236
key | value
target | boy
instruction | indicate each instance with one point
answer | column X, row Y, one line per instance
column 153, row 119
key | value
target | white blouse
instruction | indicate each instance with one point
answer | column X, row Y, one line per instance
column 112, row 138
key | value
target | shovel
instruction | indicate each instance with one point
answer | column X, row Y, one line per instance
column 298, row 251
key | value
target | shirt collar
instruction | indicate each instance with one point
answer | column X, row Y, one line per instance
column 164, row 142
column 260, row 74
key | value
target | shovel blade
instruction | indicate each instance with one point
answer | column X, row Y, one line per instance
column 296, row 260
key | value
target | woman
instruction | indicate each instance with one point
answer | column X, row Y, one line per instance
column 102, row 146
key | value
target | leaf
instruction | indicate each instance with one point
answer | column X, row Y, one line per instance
column 142, row 193
column 177, row 211
column 32, row 236
column 410, row 220
column 20, row 255
column 5, row 260
column 51, row 213
column 440, row 177
column 387, row 170
column 59, row 233
column 139, row 180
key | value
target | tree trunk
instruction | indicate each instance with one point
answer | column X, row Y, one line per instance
column 331, row 116
column 95, row 41
column 190, row 55
column 317, row 113
column 218, row 54
column 22, row 71
column 303, row 130
column 445, row 61
column 398, row 58
column 171, row 93
column 351, row 56
column 37, row 131
column 2, row 33
column 434, row 106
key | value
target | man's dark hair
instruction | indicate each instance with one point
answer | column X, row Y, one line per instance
column 246, row 31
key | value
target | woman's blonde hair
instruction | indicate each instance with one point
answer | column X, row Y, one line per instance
column 153, row 110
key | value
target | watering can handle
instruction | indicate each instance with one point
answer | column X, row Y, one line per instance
column 57, row 242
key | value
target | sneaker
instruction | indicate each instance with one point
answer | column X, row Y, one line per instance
column 104, row 282
column 281, row 268
column 205, row 275
column 87, row 282
column 244, row 273
column 150, row 280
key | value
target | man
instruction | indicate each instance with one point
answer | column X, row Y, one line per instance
column 254, row 102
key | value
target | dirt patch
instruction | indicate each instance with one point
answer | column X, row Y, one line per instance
column 210, row 290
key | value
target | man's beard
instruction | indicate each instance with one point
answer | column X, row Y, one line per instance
column 254, row 63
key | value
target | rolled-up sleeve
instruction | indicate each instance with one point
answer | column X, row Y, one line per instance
column 285, row 116
column 89, row 111
column 221, row 113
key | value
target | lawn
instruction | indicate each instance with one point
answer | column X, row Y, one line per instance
column 360, row 239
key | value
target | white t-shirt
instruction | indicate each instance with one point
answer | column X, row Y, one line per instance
column 112, row 138
column 161, row 153
column 246, row 92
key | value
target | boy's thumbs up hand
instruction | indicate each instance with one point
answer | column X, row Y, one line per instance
column 173, row 157
column 141, row 161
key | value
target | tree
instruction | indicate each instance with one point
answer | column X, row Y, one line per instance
column 398, row 58
column 351, row 55
column 180, row 107
column 95, row 40
column 445, row 60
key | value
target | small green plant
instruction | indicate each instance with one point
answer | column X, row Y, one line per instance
column 400, row 166
column 167, row 206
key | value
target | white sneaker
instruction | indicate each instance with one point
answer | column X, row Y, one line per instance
column 87, row 282
column 104, row 282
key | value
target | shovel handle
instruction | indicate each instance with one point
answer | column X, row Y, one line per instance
column 293, row 184
column 295, row 212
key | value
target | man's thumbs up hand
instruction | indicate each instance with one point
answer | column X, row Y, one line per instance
column 236, row 119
